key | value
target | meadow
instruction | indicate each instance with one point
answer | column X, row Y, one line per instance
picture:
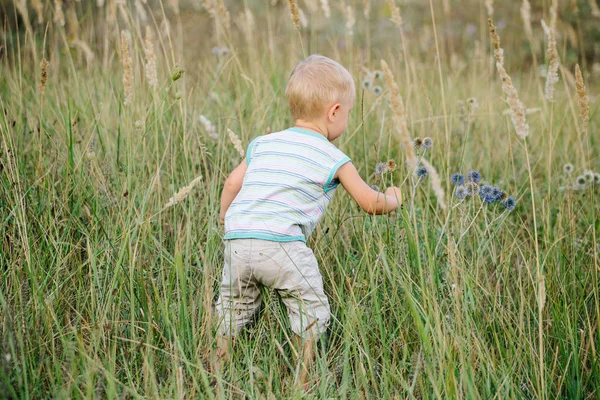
column 121, row 120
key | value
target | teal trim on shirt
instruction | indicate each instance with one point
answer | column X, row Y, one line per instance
column 307, row 132
column 249, row 151
column 332, row 174
column 270, row 238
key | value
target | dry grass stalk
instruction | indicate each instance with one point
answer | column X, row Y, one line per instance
column 399, row 116
column 595, row 9
column 111, row 12
column 151, row 74
column 516, row 106
column 350, row 20
column 127, row 69
column 183, row 193
column 141, row 12
column 436, row 183
column 59, row 16
column 174, row 4
column 395, row 18
column 498, row 51
column 72, row 24
column 367, row 8
column 44, row 75
column 553, row 64
column 87, row 51
column 224, row 14
column 21, row 6
column 584, row 100
column 237, row 143
column 489, row 5
column 326, row 8
column 39, row 10
column 526, row 15
column 294, row 13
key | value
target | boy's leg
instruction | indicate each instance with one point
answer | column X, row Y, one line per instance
column 239, row 298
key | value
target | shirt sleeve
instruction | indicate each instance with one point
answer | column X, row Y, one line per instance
column 250, row 150
column 332, row 183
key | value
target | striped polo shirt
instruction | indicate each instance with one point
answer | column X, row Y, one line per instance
column 287, row 186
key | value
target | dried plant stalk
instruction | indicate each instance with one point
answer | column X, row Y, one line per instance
column 526, row 15
column 553, row 63
column 39, row 10
column 367, row 8
column 436, row 183
column 516, row 106
column 294, row 13
column 183, row 193
column 326, row 8
column 151, row 74
column 498, row 51
column 584, row 100
column 350, row 20
column 59, row 16
column 395, row 18
column 237, row 143
column 489, row 5
column 127, row 69
column 399, row 116
column 44, row 75
column 595, row 9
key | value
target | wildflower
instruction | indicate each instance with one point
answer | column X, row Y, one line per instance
column 427, row 143
column 457, row 179
column 596, row 179
column 497, row 193
column 422, row 172
column 225, row 51
column 375, row 188
column 474, row 189
column 487, row 194
column 509, row 204
column 381, row 168
column 417, row 142
column 216, row 51
column 473, row 104
column 377, row 90
column 581, row 180
column 377, row 74
column 366, row 84
column 391, row 165
column 178, row 71
column 589, row 175
column 568, row 168
column 461, row 192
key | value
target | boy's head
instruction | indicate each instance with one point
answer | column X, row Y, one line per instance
column 321, row 89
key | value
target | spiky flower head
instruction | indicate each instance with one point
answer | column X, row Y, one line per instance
column 568, row 168
column 596, row 179
column 381, row 168
column 474, row 176
column 461, row 192
column 366, row 84
column 375, row 188
column 581, row 180
column 509, row 203
column 377, row 90
column 498, row 193
column 417, row 142
column 391, row 165
column 422, row 172
column 427, row 143
column 377, row 74
column 589, row 175
column 457, row 178
column 473, row 188
column 487, row 194
column 178, row 71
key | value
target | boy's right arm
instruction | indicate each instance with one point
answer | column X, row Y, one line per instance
column 371, row 201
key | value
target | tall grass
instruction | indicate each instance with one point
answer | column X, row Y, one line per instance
column 107, row 293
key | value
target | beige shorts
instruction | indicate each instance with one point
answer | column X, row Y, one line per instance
column 290, row 268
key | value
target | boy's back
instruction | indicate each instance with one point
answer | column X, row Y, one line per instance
column 288, row 184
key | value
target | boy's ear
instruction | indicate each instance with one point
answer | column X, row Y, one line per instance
column 333, row 111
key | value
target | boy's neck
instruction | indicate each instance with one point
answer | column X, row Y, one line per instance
column 314, row 126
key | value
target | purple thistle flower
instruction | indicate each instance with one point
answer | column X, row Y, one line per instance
column 457, row 179
column 422, row 172
column 474, row 176
column 510, row 203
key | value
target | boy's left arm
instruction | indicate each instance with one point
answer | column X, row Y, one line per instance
column 232, row 187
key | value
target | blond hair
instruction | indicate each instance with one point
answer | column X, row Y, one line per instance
column 315, row 83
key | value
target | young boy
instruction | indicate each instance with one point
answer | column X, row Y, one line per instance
column 274, row 199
